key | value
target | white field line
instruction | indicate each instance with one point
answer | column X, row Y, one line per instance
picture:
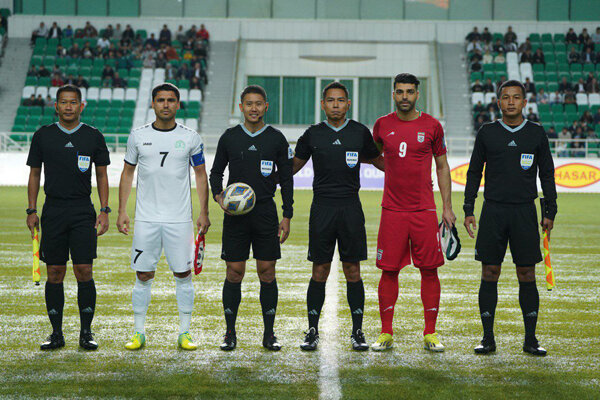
column 329, row 380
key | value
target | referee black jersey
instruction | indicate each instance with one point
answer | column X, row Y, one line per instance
column 336, row 154
column 67, row 156
column 253, row 158
column 512, row 158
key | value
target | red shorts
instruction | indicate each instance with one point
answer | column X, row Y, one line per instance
column 403, row 234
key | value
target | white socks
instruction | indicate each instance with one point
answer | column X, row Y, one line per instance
column 185, row 302
column 140, row 298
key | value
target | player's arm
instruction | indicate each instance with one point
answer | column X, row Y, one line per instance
column 217, row 170
column 303, row 152
column 33, row 189
column 474, row 174
column 286, row 181
column 546, row 173
column 298, row 163
column 203, row 222
column 124, row 192
column 442, row 170
column 102, row 183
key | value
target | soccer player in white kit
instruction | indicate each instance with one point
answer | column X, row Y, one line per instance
column 163, row 150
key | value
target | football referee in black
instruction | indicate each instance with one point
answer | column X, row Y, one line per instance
column 513, row 151
column 337, row 147
column 67, row 150
column 254, row 152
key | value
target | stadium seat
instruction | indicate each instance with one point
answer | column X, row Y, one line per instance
column 192, row 123
column 477, row 97
column 514, row 74
column 512, row 58
column 31, row 81
column 594, row 99
column 52, row 92
column 27, row 92
column 195, row 95
column 570, row 108
column 93, row 93
column 180, row 121
column 118, row 94
column 526, row 71
column 184, row 94
column 131, row 94
column 105, row 94
column 41, row 90
column 582, row 99
column 533, row 106
column 489, row 97
column 552, row 95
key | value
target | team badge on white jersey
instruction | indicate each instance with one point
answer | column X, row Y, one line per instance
column 352, row 158
column 526, row 161
column 83, row 162
column 420, row 137
column 266, row 167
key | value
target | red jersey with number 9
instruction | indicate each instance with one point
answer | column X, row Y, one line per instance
column 408, row 148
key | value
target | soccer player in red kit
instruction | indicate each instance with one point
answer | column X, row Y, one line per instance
column 409, row 224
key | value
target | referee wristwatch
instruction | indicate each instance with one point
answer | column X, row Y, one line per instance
column 106, row 210
column 30, row 211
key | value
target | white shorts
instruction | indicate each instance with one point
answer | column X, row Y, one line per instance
column 149, row 239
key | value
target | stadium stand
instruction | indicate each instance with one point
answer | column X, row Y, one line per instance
column 108, row 67
column 560, row 73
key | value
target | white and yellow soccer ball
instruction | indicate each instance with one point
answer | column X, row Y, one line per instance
column 239, row 198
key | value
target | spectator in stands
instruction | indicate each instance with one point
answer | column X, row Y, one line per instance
column 164, row 37
column 486, row 36
column 81, row 82
column 500, row 82
column 512, row 46
column 170, row 72
column 587, row 117
column 128, row 33
column 597, row 117
column 475, row 56
column 204, row 35
column 563, row 143
column 32, row 71
column 200, row 51
column 191, row 33
column 195, row 83
column 43, row 72
column 492, row 113
column 477, row 87
column 574, row 56
column 494, row 104
column 500, row 59
column 583, row 36
column 161, row 61
column 596, row 36
column 171, row 53
column 588, row 56
column 473, row 35
column 569, row 97
column 510, row 36
column 88, row 51
column 479, row 107
column 151, row 41
column 57, row 80
column 103, row 42
column 61, row 52
column 526, row 57
column 68, row 32
column 56, row 70
column 41, row 31
column 551, row 133
column 571, row 37
column 180, row 34
column 29, row 101
column 118, row 32
column 108, row 32
column 474, row 45
column 49, row 101
column 488, row 86
column 107, row 72
column 184, row 72
column 123, row 60
column 526, row 45
column 54, row 31
column 498, row 47
column 538, row 57
column 479, row 122
column 39, row 101
column 572, row 128
column 487, row 57
column 70, row 80
column 74, row 52
column 589, row 44
column 542, row 97
column 200, row 73
column 89, row 30
column 564, row 85
column 592, row 86
column 476, row 66
column 118, row 82
column 580, row 86
column 531, row 116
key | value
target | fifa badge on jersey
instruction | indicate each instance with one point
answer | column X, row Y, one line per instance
column 379, row 254
column 83, row 162
column 352, row 158
column 266, row 167
column 526, row 161
column 420, row 137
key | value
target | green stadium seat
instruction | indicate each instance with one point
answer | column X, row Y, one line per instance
column 551, row 67
column 110, row 139
column 546, row 38
column 100, row 114
column 497, row 36
column 191, row 113
column 31, row 81
column 559, row 37
column 489, row 75
column 475, row 76
column 535, row 37
column 572, row 116
column 110, row 61
column 104, row 103
column 20, row 119
column 127, row 112
column 142, row 33
column 123, row 72
column 175, row 63
column 184, row 84
column 5, row 12
column 86, row 62
column 49, row 111
column 44, row 81
column 36, row 60
column 95, row 81
column 560, row 48
column 542, row 85
column 537, row 68
column 17, row 128
column 551, row 77
column 98, row 62
column 570, row 108
column 40, row 42
column 61, row 62
column 23, row 110
column 47, row 120
column 31, row 127
column 49, row 62
column 500, row 68
column 575, row 67
column 561, row 58
column 589, row 68
column 488, row 67
column 35, row 111
column 129, row 104
column 136, row 63
column 539, row 77
column 547, row 48
column 50, row 51
column 116, row 104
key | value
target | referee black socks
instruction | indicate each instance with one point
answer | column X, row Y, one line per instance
column 315, row 297
column 86, row 299
column 232, row 295
column 488, row 298
column 268, row 302
column 529, row 299
column 55, row 303
column 355, row 292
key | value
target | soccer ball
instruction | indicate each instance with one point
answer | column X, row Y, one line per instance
column 239, row 198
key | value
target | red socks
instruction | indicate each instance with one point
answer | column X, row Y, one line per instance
column 430, row 295
column 388, row 294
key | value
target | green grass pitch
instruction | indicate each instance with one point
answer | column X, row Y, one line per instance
column 568, row 325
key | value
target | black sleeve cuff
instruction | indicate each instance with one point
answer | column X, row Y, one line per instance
column 288, row 214
column 550, row 210
column 469, row 209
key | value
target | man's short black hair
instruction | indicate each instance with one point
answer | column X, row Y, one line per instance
column 169, row 87
column 335, row 85
column 406, row 78
column 253, row 89
column 510, row 83
column 68, row 88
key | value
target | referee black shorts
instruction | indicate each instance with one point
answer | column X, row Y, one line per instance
column 68, row 227
column 259, row 229
column 514, row 224
column 340, row 220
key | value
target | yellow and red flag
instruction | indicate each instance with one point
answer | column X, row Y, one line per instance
column 548, row 265
column 36, row 256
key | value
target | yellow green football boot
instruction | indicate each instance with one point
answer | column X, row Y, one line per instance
column 138, row 340
column 185, row 342
column 384, row 342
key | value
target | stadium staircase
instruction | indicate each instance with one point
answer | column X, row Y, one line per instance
column 218, row 93
column 455, row 90
column 12, row 75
